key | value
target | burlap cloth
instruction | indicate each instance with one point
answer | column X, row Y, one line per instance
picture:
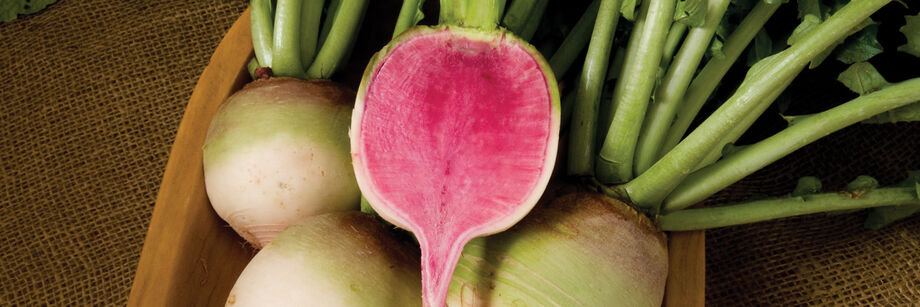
column 92, row 92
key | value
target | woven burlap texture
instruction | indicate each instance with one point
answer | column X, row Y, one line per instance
column 91, row 94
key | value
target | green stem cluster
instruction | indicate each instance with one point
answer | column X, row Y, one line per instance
column 709, row 77
column 765, row 80
column 481, row 14
column 673, row 86
column 633, row 91
column 286, row 37
column 715, row 177
column 583, row 129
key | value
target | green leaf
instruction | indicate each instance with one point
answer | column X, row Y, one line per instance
column 366, row 206
column 913, row 178
column 884, row 216
column 691, row 12
column 813, row 17
column 737, row 10
column 33, row 6
column 912, row 31
column 807, row 185
column 762, row 48
column 628, row 9
column 862, row 183
column 827, row 52
column 10, row 9
column 860, row 47
column 782, row 102
column 809, row 23
column 908, row 113
column 715, row 48
column 862, row 78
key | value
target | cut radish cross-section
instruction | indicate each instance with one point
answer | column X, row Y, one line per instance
column 454, row 136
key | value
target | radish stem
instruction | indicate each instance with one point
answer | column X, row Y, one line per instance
column 706, row 81
column 481, row 14
column 741, row 126
column 523, row 17
column 574, row 42
column 331, row 9
column 715, row 177
column 409, row 15
column 251, row 66
column 673, row 86
column 588, row 94
column 260, row 21
column 286, row 59
column 765, row 78
column 675, row 36
column 345, row 24
column 310, row 15
column 762, row 210
column 633, row 91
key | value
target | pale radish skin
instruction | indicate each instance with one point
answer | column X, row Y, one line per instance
column 461, row 145
column 277, row 152
column 329, row 260
column 581, row 249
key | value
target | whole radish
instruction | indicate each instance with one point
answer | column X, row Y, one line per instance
column 278, row 151
column 333, row 259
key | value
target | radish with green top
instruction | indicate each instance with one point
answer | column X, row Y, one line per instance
column 277, row 151
column 454, row 133
column 573, row 252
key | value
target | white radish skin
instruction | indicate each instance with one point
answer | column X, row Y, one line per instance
column 276, row 152
column 582, row 249
column 265, row 188
column 334, row 259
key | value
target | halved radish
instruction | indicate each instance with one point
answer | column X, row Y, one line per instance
column 454, row 136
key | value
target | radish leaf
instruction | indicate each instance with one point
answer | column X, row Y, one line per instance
column 10, row 9
column 691, row 12
column 862, row 78
column 884, row 216
column 860, row 47
column 908, row 113
column 807, row 185
column 912, row 31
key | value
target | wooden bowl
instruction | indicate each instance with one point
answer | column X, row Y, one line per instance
column 192, row 258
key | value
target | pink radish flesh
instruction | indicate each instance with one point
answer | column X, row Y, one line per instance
column 456, row 139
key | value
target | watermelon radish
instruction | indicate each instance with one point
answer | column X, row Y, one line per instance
column 277, row 151
column 580, row 249
column 334, row 259
column 454, row 136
